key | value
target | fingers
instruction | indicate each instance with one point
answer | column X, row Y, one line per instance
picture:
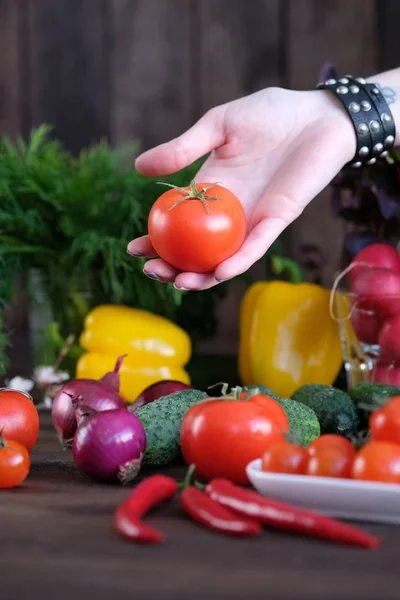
column 160, row 270
column 141, row 247
column 195, row 281
column 205, row 135
column 253, row 248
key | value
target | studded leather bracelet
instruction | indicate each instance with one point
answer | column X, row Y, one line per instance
column 370, row 114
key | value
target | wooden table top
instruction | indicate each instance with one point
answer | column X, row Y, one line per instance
column 58, row 543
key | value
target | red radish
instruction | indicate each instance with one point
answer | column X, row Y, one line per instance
column 375, row 255
column 389, row 339
column 378, row 290
column 158, row 389
column 98, row 395
column 384, row 373
column 366, row 325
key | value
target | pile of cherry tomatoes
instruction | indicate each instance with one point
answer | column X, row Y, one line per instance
column 19, row 430
column 332, row 455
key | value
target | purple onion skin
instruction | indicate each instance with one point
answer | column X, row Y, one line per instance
column 157, row 390
column 109, row 446
column 95, row 394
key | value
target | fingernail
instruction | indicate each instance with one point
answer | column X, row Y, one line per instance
column 181, row 289
column 220, row 280
column 137, row 254
column 152, row 275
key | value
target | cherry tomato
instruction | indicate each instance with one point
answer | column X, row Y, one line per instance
column 378, row 461
column 14, row 463
column 284, row 457
column 384, row 423
column 19, row 419
column 194, row 230
column 274, row 409
column 330, row 461
column 221, row 436
column 331, row 440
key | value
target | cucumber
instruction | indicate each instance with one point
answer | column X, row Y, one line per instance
column 334, row 408
column 162, row 420
column 372, row 395
column 303, row 421
column 305, row 391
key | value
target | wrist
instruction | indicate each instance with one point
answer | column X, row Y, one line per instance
column 367, row 109
column 389, row 86
column 332, row 112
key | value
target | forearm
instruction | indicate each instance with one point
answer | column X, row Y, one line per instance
column 389, row 85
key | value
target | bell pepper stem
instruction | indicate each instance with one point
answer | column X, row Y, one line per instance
column 282, row 265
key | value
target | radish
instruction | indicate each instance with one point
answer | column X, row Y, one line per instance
column 366, row 325
column 389, row 339
column 378, row 290
column 383, row 373
column 375, row 255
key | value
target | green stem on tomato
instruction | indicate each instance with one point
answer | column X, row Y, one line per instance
column 282, row 265
column 193, row 193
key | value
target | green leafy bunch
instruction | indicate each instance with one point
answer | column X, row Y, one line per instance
column 71, row 217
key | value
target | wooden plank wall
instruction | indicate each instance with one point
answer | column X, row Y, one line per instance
column 147, row 69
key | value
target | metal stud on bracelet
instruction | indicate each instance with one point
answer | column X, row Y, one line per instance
column 370, row 114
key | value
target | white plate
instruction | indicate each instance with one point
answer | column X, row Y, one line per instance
column 344, row 498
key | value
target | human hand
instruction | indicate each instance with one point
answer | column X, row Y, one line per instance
column 275, row 149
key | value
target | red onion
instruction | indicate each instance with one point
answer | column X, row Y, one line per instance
column 109, row 445
column 98, row 395
column 158, row 389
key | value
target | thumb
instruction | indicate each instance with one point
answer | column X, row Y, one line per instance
column 203, row 137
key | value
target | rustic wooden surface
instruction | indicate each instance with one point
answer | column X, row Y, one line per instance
column 58, row 542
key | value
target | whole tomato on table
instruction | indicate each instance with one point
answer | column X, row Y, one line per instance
column 220, row 436
column 378, row 461
column 384, row 423
column 197, row 227
column 14, row 463
column 330, row 455
column 19, row 419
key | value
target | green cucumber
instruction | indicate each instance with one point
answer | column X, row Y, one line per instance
column 334, row 408
column 162, row 421
column 371, row 395
column 303, row 421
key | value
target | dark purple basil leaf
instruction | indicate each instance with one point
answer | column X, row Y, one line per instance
column 388, row 202
column 355, row 241
column 328, row 71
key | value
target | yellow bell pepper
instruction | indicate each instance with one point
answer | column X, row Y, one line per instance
column 156, row 348
column 287, row 336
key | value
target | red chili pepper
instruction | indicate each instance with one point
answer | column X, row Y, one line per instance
column 285, row 516
column 147, row 494
column 204, row 510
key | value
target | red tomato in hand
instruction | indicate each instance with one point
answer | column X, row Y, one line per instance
column 378, row 461
column 220, row 437
column 19, row 419
column 14, row 463
column 384, row 423
column 284, row 457
column 195, row 230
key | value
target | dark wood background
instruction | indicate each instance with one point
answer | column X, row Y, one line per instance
column 147, row 69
